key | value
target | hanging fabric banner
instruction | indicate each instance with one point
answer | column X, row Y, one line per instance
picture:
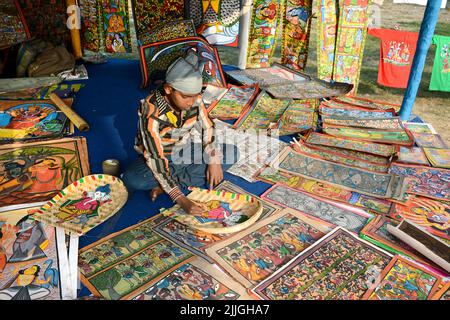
column 266, row 18
column 296, row 30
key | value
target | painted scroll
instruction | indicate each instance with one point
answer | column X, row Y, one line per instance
column 412, row 155
column 266, row 17
column 236, row 100
column 438, row 157
column 299, row 116
column 368, row 103
column 90, row 29
column 350, row 42
column 331, row 141
column 296, row 30
column 116, row 26
column 168, row 31
column 327, row 33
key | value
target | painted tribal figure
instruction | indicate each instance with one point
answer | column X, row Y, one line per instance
column 166, row 117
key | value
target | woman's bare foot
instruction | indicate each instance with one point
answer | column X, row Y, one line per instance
column 155, row 193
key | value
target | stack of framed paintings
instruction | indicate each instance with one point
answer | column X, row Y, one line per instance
column 403, row 279
column 324, row 190
column 340, row 266
column 379, row 149
column 429, row 140
column 378, row 185
column 367, row 103
column 334, row 214
column 32, row 173
column 347, row 157
column 255, row 253
column 126, row 263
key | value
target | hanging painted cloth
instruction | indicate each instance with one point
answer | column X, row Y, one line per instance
column 396, row 55
column 440, row 76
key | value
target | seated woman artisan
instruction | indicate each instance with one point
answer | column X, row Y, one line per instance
column 167, row 116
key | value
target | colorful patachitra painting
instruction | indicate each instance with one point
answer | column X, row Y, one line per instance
column 46, row 19
column 116, row 26
column 340, row 266
column 351, row 38
column 327, row 18
column 168, row 31
column 13, row 27
column 123, row 264
column 404, row 280
column 425, row 181
column 29, row 265
column 429, row 214
column 90, row 12
column 196, row 280
column 296, row 30
column 36, row 172
column 216, row 20
column 254, row 254
column 236, row 100
column 440, row 76
column 84, row 204
column 150, row 14
column 266, row 18
column 32, row 120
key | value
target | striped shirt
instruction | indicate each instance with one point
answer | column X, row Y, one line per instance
column 160, row 128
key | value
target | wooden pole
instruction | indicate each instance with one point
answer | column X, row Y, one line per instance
column 74, row 26
column 79, row 122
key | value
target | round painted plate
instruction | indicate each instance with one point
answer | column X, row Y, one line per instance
column 84, row 204
column 225, row 212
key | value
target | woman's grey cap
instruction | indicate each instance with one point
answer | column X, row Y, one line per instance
column 184, row 74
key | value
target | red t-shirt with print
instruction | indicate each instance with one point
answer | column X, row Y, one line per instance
column 396, row 56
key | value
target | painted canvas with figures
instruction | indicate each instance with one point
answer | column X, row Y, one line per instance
column 224, row 150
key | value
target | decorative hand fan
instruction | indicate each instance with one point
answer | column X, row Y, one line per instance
column 84, row 204
column 225, row 212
